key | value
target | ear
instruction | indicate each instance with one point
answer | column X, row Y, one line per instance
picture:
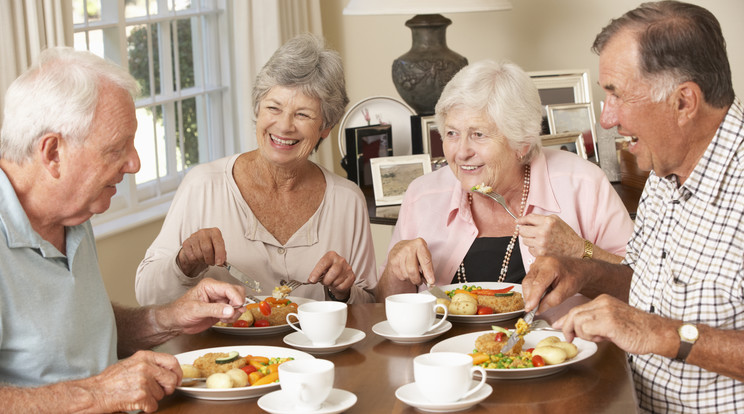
column 688, row 99
column 49, row 153
column 324, row 133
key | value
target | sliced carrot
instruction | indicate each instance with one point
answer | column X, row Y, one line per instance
column 267, row 379
column 254, row 376
column 479, row 358
column 465, row 291
column 491, row 292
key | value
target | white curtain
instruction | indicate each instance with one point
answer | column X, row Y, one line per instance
column 259, row 27
column 26, row 28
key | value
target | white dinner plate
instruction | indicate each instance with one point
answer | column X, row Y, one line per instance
column 494, row 317
column 466, row 343
column 386, row 331
column 258, row 331
column 348, row 338
column 390, row 111
column 201, row 391
column 338, row 401
column 411, row 395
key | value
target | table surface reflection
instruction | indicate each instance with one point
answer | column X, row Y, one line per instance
column 375, row 367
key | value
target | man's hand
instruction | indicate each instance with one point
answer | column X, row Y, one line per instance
column 546, row 272
column 202, row 306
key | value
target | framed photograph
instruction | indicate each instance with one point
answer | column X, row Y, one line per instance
column 426, row 137
column 567, row 141
column 391, row 176
column 559, row 87
column 364, row 144
column 575, row 117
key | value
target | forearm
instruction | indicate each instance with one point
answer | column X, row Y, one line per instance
column 718, row 351
column 604, row 255
column 63, row 397
column 141, row 328
column 605, row 277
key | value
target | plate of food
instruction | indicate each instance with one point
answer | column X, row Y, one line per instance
column 483, row 302
column 256, row 322
column 230, row 370
column 555, row 354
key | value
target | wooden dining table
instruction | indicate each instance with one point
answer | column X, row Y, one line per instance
column 375, row 367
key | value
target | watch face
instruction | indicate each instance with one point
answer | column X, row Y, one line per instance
column 688, row 332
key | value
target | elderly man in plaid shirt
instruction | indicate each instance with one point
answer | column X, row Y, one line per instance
column 676, row 303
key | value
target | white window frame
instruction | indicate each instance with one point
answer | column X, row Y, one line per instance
column 135, row 205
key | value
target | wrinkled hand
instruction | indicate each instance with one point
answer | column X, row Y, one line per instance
column 549, row 271
column 408, row 260
column 549, row 236
column 203, row 305
column 135, row 383
column 608, row 318
column 336, row 272
column 202, row 249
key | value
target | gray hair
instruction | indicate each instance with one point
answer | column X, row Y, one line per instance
column 57, row 95
column 505, row 93
column 304, row 62
column 677, row 42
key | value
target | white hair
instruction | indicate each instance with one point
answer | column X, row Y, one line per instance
column 57, row 95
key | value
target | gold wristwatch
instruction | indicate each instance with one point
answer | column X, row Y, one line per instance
column 588, row 250
column 688, row 334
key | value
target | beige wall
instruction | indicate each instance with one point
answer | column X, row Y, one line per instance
column 537, row 34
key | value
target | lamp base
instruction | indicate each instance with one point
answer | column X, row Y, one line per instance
column 420, row 74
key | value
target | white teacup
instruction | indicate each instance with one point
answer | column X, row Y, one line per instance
column 306, row 382
column 322, row 322
column 412, row 314
column 445, row 377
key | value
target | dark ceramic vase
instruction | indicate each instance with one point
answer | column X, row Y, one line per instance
column 420, row 74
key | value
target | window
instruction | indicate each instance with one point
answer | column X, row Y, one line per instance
column 173, row 48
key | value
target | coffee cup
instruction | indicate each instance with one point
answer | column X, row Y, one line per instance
column 306, row 383
column 445, row 377
column 413, row 314
column 322, row 322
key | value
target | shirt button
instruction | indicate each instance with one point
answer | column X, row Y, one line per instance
column 281, row 250
column 530, row 261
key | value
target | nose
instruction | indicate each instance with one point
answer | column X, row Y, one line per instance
column 608, row 117
column 286, row 121
column 132, row 164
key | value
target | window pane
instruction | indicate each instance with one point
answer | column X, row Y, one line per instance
column 150, row 144
column 79, row 7
column 138, row 46
column 95, row 42
column 179, row 4
column 188, row 131
column 79, row 41
column 78, row 14
column 138, row 8
column 184, row 46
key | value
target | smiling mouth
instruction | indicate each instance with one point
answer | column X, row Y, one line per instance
column 283, row 141
column 468, row 167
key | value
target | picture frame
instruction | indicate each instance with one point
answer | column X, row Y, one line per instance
column 392, row 175
column 575, row 117
column 364, row 144
column 568, row 141
column 563, row 86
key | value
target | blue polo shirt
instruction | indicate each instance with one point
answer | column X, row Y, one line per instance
column 56, row 320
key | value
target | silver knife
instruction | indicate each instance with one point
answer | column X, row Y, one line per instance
column 528, row 317
column 251, row 283
column 437, row 292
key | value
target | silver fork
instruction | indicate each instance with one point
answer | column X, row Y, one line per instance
column 294, row 284
column 541, row 325
column 497, row 198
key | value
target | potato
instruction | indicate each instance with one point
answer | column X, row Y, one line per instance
column 239, row 377
column 464, row 297
column 548, row 341
column 219, row 380
column 551, row 354
column 462, row 308
column 444, row 302
column 190, row 371
column 570, row 349
column 248, row 317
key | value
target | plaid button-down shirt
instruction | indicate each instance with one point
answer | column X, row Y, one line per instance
column 687, row 253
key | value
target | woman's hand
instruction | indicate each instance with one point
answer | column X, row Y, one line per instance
column 410, row 260
column 202, row 249
column 336, row 274
column 549, row 236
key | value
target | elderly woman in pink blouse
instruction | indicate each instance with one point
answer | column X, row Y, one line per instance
column 489, row 116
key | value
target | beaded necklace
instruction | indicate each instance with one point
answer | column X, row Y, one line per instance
column 461, row 276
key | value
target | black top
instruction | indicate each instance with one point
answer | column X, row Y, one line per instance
column 485, row 257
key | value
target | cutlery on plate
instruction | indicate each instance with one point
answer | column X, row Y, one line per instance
column 250, row 282
column 528, row 317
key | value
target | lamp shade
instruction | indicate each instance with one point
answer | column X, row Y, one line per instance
column 371, row 7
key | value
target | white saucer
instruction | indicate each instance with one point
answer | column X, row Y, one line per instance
column 348, row 338
column 411, row 395
column 338, row 401
column 383, row 329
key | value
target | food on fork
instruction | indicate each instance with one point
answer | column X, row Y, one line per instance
column 482, row 188
column 281, row 292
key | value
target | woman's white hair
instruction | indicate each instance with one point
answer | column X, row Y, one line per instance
column 505, row 94
column 57, row 95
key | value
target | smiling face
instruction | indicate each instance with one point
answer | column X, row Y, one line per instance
column 93, row 169
column 628, row 106
column 288, row 125
column 477, row 153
